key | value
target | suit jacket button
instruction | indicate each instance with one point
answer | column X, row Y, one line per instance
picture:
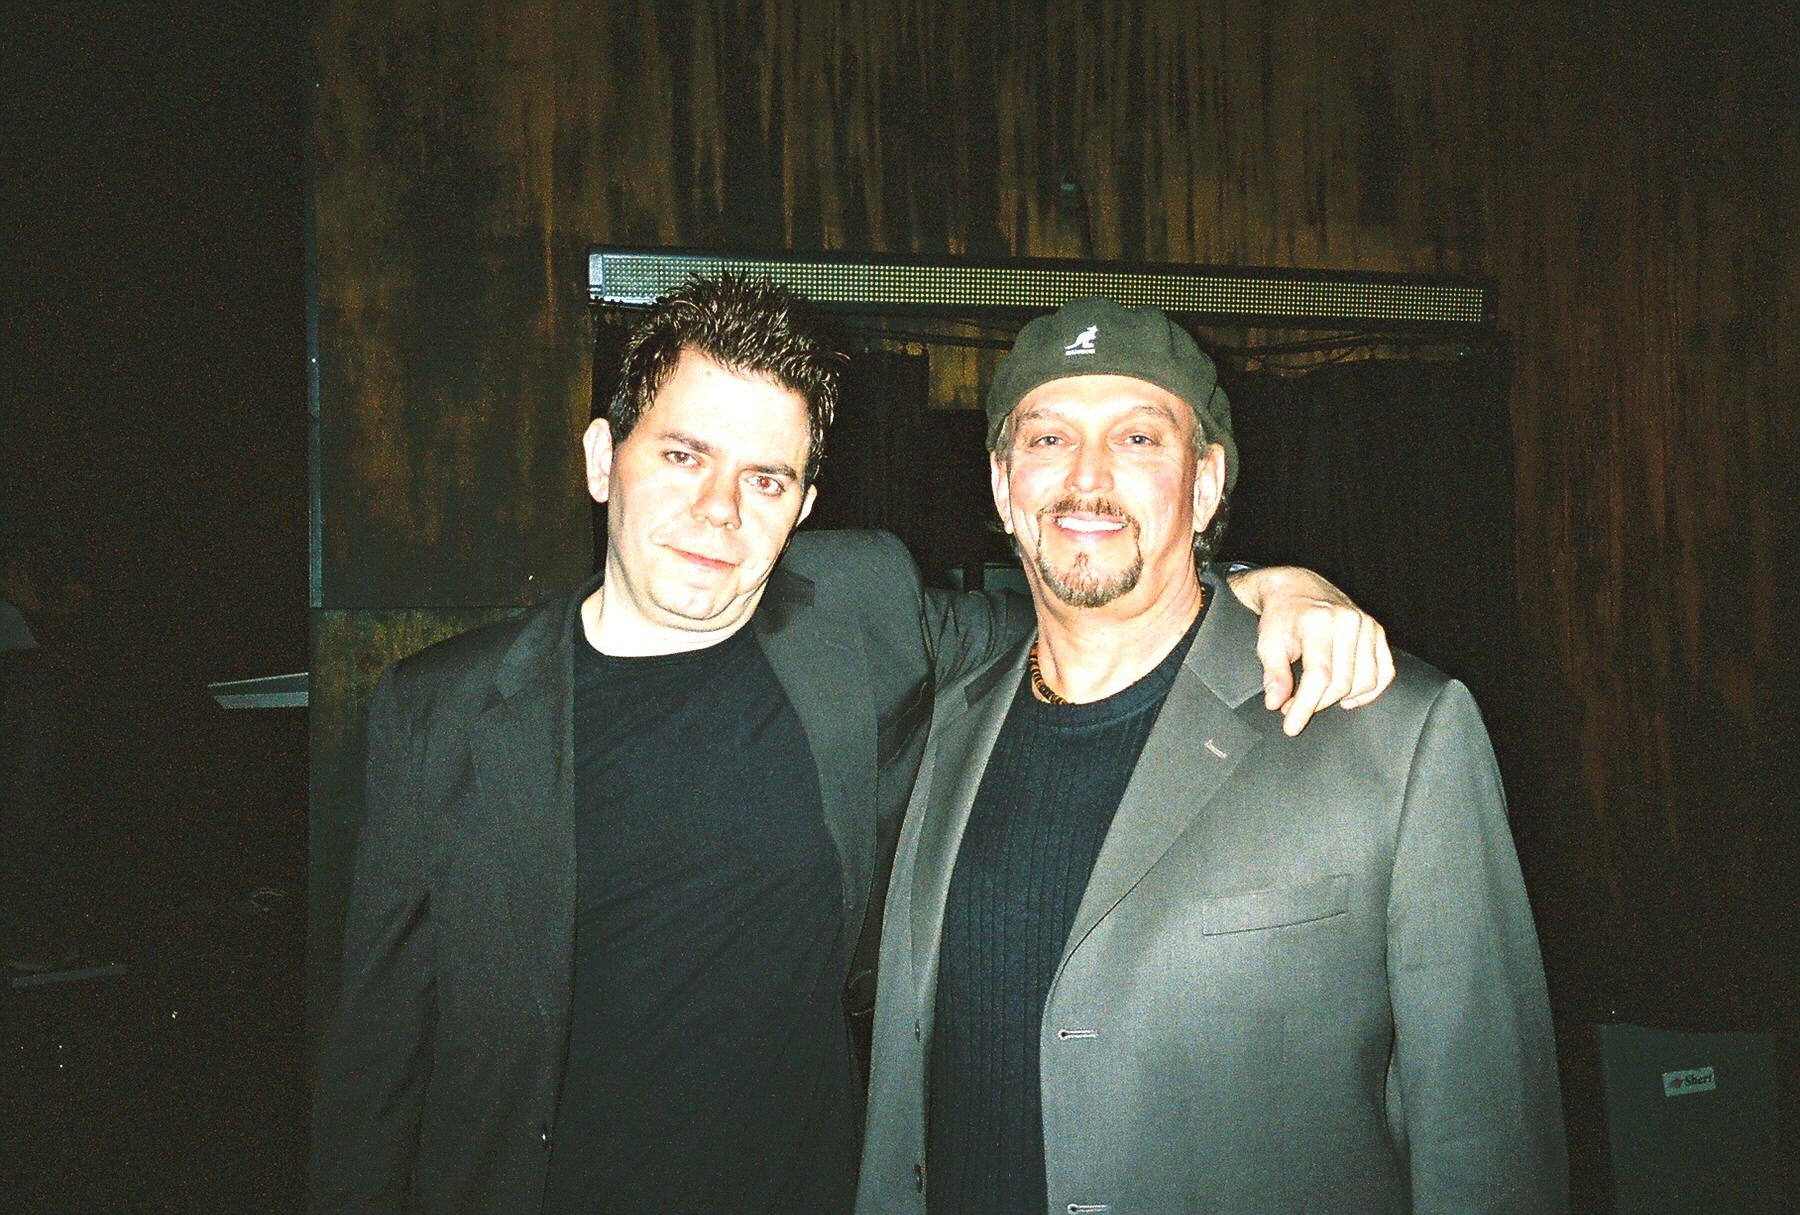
column 543, row 1131
column 919, row 1175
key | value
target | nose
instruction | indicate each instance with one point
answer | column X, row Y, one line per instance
column 1091, row 471
column 718, row 502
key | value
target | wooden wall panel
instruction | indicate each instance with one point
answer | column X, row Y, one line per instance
column 1624, row 173
column 453, row 362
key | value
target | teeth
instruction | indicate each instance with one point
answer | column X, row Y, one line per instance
column 1089, row 525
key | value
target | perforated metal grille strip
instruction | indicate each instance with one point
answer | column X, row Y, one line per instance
column 638, row 277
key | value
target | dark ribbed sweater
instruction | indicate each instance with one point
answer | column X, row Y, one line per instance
column 1045, row 803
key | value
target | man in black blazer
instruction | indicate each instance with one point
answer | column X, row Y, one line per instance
column 616, row 854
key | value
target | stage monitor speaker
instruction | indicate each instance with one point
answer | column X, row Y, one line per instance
column 1691, row 1121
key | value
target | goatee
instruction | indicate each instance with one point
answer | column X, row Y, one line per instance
column 1081, row 585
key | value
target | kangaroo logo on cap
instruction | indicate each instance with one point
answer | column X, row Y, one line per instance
column 1084, row 341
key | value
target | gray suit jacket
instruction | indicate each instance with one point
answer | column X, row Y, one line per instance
column 1303, row 977
column 439, row 1073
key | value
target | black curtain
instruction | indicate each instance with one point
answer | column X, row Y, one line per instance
column 1393, row 477
column 894, row 463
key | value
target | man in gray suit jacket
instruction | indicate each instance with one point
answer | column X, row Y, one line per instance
column 616, row 854
column 1143, row 952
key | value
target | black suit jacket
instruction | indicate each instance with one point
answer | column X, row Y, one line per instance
column 439, row 1074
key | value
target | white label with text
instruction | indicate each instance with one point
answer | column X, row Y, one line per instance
column 1693, row 1080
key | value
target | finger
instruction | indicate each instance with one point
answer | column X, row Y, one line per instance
column 1362, row 678
column 1340, row 677
column 1383, row 669
column 1277, row 657
column 1306, row 698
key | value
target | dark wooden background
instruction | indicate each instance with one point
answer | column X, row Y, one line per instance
column 1625, row 174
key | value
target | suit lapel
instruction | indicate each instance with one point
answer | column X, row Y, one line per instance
column 819, row 661
column 962, row 741
column 522, row 751
column 1192, row 750
column 1194, row 747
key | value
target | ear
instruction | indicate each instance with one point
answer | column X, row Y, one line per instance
column 597, row 448
column 1002, row 490
column 806, row 504
column 1209, row 485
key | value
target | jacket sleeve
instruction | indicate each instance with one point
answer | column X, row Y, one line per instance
column 1473, row 1095
column 964, row 631
column 376, row 1056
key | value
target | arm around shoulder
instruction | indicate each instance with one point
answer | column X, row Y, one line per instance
column 958, row 632
column 967, row 630
column 1343, row 651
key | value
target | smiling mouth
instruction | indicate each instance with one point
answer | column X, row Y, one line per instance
column 1089, row 524
column 1095, row 517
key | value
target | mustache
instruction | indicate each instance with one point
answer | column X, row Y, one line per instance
column 1106, row 508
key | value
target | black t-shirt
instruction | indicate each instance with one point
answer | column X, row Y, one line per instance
column 708, row 1065
column 1035, row 830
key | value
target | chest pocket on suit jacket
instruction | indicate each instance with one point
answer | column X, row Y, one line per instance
column 1318, row 899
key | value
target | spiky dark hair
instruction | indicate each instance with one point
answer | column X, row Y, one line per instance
column 746, row 326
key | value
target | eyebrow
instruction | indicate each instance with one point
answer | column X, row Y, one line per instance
column 1158, row 410
column 707, row 449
